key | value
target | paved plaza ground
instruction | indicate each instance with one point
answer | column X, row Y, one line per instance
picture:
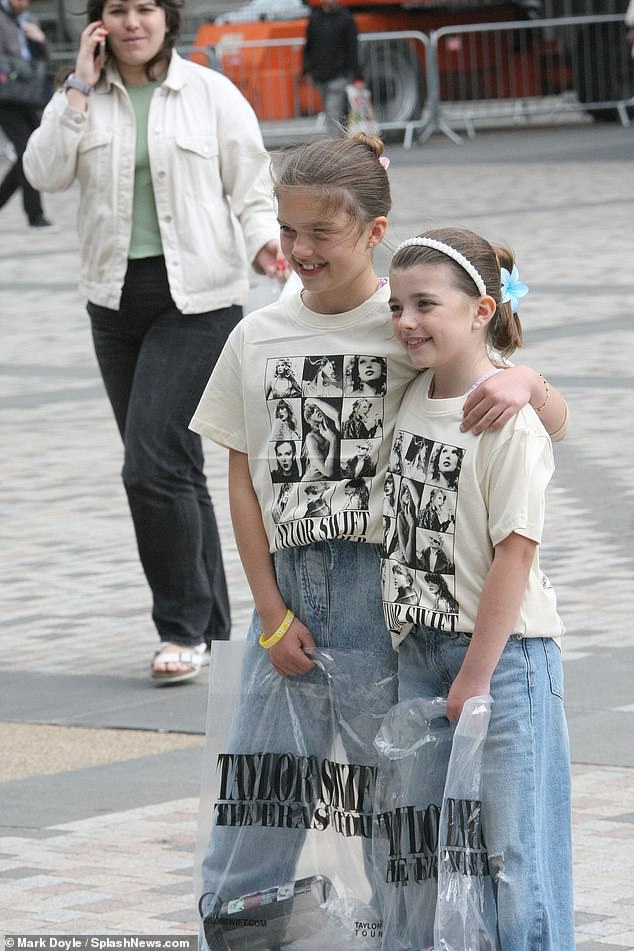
column 100, row 771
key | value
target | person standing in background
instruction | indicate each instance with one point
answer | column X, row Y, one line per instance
column 331, row 59
column 174, row 186
column 22, row 37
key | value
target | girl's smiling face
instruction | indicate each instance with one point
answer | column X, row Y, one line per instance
column 329, row 250
column 431, row 317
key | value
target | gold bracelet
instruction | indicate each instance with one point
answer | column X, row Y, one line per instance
column 278, row 633
column 538, row 409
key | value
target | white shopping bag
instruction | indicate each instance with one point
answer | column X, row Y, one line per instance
column 285, row 824
column 360, row 111
column 263, row 290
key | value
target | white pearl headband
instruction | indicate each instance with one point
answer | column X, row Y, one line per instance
column 451, row 253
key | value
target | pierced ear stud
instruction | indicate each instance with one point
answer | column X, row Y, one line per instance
column 476, row 323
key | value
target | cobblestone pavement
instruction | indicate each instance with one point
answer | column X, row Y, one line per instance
column 75, row 609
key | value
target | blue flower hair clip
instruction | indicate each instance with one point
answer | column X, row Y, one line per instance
column 512, row 288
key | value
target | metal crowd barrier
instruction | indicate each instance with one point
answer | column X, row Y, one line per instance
column 394, row 69
column 454, row 77
column 288, row 105
column 527, row 69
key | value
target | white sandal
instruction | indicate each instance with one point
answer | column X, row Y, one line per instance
column 191, row 657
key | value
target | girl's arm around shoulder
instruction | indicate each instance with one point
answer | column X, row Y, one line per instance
column 288, row 656
column 499, row 397
column 498, row 611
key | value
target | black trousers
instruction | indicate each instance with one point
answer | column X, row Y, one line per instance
column 18, row 122
column 155, row 363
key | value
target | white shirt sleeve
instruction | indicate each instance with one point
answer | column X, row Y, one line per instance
column 220, row 413
column 515, row 485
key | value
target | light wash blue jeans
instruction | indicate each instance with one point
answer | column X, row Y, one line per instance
column 334, row 588
column 526, row 780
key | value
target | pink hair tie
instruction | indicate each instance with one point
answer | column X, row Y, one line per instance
column 385, row 162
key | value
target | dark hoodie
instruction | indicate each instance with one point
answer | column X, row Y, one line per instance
column 331, row 45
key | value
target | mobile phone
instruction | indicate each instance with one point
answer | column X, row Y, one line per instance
column 100, row 49
column 262, row 920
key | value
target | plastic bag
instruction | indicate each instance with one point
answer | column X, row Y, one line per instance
column 465, row 911
column 284, row 855
column 414, row 743
column 360, row 111
column 427, row 844
column 263, row 290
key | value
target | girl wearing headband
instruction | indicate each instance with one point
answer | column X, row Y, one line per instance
column 315, row 581
column 454, row 300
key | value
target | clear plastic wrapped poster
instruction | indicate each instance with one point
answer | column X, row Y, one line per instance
column 284, row 856
column 429, row 852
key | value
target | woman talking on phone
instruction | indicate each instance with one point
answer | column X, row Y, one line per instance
column 171, row 168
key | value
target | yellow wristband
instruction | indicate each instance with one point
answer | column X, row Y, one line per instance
column 538, row 409
column 279, row 633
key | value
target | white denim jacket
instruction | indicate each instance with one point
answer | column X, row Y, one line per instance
column 210, row 173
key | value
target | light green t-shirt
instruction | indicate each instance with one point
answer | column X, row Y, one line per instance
column 145, row 241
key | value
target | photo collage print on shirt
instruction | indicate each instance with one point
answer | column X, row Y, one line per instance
column 326, row 419
column 419, row 515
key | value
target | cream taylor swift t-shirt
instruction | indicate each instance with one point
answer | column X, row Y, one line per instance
column 312, row 399
column 450, row 498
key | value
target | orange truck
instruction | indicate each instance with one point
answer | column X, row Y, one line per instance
column 270, row 74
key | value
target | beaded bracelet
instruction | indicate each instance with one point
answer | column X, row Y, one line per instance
column 278, row 633
column 538, row 409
